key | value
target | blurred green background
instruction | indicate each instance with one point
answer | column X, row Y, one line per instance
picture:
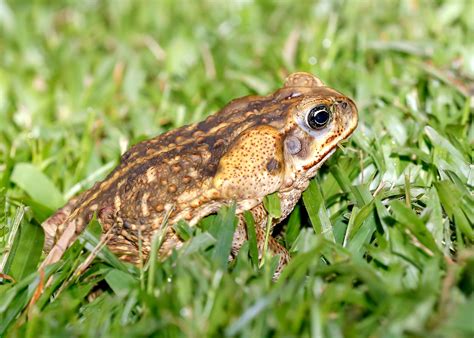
column 80, row 81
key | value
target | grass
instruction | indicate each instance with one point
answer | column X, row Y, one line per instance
column 382, row 239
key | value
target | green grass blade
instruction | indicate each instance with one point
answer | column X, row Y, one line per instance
column 224, row 233
column 314, row 204
column 272, row 205
column 252, row 237
column 37, row 185
column 28, row 250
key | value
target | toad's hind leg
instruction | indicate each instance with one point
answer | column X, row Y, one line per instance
column 54, row 226
column 125, row 249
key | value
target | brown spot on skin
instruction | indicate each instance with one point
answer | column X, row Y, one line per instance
column 105, row 215
column 126, row 225
column 172, row 188
column 330, row 138
column 195, row 203
column 273, row 165
column 160, row 207
column 176, row 168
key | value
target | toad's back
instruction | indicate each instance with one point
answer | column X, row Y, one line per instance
column 156, row 172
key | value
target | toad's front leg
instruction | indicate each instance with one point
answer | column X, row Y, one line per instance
column 260, row 217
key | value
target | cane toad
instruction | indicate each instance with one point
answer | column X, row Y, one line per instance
column 254, row 146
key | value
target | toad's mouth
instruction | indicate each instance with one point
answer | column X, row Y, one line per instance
column 311, row 168
column 314, row 166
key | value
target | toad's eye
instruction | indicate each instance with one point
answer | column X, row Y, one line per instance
column 319, row 117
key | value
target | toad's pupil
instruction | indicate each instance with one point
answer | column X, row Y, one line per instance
column 318, row 117
column 322, row 117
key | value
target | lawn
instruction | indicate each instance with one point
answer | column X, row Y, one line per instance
column 381, row 242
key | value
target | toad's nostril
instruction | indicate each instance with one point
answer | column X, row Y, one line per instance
column 344, row 105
